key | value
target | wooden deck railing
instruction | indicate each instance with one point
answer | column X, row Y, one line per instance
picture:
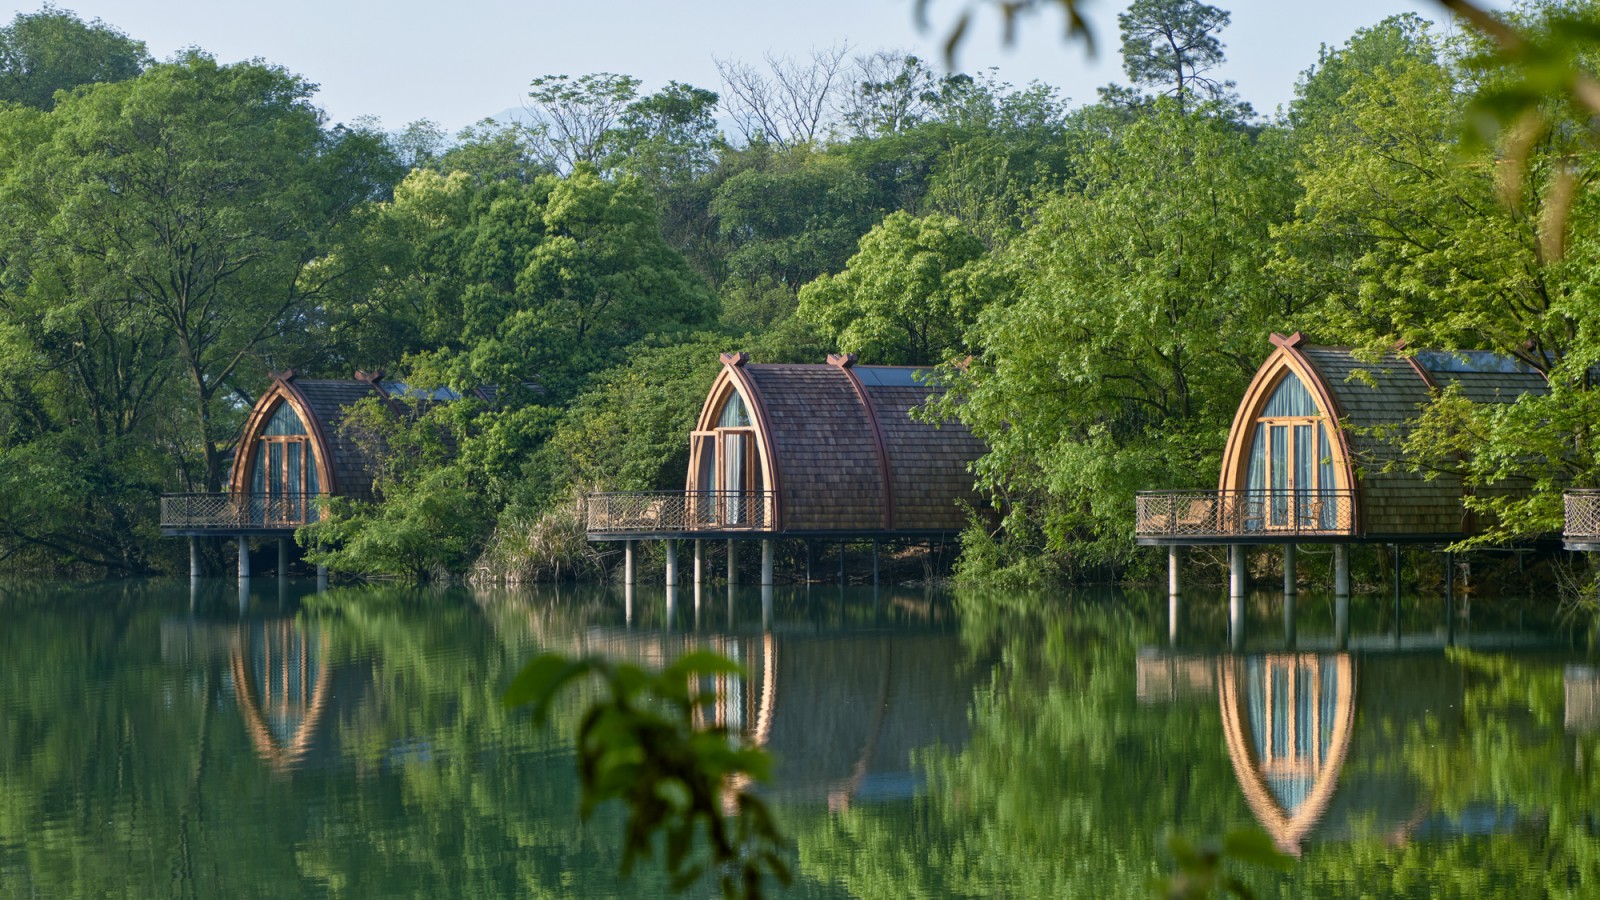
column 1582, row 522
column 230, row 512
column 676, row 511
column 1221, row 514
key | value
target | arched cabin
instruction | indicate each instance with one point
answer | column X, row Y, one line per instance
column 291, row 452
column 1307, row 458
column 808, row 451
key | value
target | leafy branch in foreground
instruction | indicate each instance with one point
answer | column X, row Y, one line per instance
column 639, row 744
column 1200, row 873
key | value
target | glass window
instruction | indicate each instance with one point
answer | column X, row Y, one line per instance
column 734, row 414
column 285, row 422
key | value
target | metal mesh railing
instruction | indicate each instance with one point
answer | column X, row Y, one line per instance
column 232, row 511
column 679, row 511
column 1230, row 513
column 1582, row 515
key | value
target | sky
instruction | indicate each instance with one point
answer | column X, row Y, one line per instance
column 460, row 61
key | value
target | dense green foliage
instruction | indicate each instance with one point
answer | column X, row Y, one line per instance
column 1097, row 283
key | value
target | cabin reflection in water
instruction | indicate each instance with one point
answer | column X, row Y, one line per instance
column 279, row 677
column 843, row 714
column 1320, row 754
column 1288, row 719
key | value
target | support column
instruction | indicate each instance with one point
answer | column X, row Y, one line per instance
column 322, row 576
column 194, row 558
column 766, row 562
column 699, row 563
column 244, row 558
column 1341, row 621
column 672, row 563
column 627, row 566
column 1174, row 609
column 627, row 601
column 1288, row 620
column 841, row 564
column 766, row 607
column 874, row 562
column 283, row 557
column 1174, row 559
column 733, row 563
column 1236, row 621
column 1449, row 598
column 1290, row 586
column 672, row 606
column 1235, row 570
column 1341, row 570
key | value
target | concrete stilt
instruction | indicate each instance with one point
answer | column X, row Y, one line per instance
column 733, row 563
column 1174, row 609
column 841, row 564
column 194, row 557
column 672, row 563
column 244, row 558
column 1174, row 561
column 1341, row 570
column 699, row 563
column 1236, row 570
column 1236, row 621
column 766, row 563
column 627, row 601
column 1290, row 586
column 1288, row 620
column 244, row 595
column 874, row 563
column 322, row 576
column 672, row 605
column 627, row 564
column 766, row 607
column 283, row 557
column 1341, row 620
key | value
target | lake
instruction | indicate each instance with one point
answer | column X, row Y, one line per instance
column 163, row 741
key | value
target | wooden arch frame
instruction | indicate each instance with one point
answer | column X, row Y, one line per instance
column 282, row 391
column 1284, row 360
column 1288, row 830
column 733, row 379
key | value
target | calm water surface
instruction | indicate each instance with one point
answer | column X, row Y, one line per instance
column 156, row 742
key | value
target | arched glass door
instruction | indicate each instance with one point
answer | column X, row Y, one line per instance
column 728, row 477
column 284, row 478
column 1291, row 480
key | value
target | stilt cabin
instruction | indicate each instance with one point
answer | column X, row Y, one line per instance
column 808, row 451
column 1308, row 456
column 291, row 453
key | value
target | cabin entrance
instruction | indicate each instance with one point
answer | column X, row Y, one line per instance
column 1292, row 483
column 728, row 484
column 284, row 479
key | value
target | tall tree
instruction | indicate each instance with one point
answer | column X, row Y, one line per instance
column 1171, row 45
column 53, row 50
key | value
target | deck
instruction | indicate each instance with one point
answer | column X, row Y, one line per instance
column 219, row 514
column 652, row 514
column 1255, row 517
column 1581, row 528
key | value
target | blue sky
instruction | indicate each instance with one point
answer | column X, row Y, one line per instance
column 457, row 62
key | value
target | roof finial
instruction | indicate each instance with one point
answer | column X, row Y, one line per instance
column 368, row 377
column 842, row 360
column 735, row 359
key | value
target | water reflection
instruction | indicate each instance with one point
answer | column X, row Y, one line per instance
column 354, row 743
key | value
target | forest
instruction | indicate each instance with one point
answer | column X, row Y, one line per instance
column 1094, row 282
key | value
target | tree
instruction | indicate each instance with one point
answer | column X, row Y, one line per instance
column 204, row 199
column 1173, row 43
column 910, row 294
column 1140, row 314
column 53, row 50
column 573, row 118
column 793, row 104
